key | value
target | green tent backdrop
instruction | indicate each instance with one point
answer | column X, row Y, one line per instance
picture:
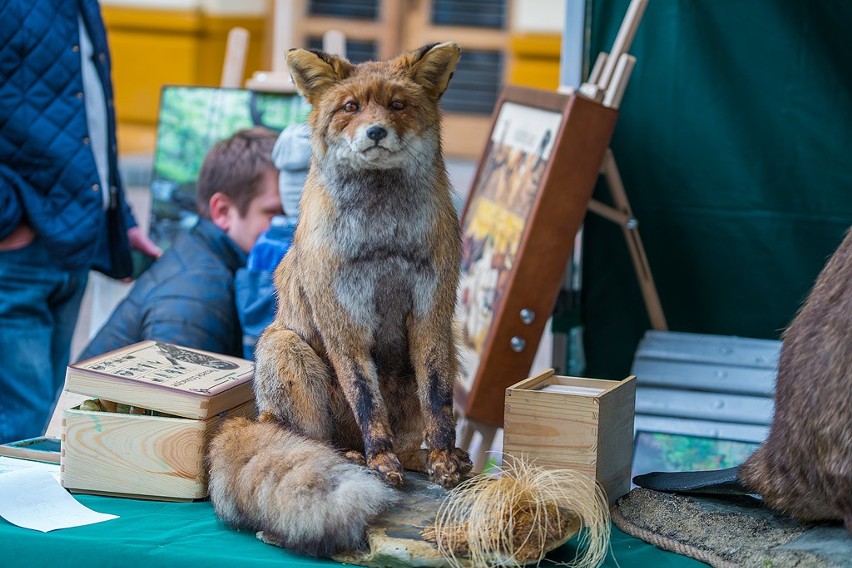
column 735, row 146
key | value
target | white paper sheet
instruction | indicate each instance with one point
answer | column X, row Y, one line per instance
column 33, row 499
column 572, row 389
column 14, row 464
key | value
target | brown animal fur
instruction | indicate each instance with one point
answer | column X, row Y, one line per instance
column 361, row 355
column 294, row 473
column 804, row 468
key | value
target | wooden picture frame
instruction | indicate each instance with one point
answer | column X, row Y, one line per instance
column 526, row 203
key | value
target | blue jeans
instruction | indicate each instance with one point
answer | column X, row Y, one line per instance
column 39, row 304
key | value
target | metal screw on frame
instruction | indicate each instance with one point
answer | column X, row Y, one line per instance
column 518, row 344
column 527, row 316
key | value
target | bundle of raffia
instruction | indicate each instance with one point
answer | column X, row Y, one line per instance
column 516, row 517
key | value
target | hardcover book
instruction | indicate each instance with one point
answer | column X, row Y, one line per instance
column 40, row 449
column 166, row 378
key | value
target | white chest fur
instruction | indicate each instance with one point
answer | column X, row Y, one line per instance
column 382, row 231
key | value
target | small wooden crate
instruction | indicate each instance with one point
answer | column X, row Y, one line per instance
column 147, row 457
column 574, row 423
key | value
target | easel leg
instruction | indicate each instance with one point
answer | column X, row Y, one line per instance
column 479, row 455
column 486, row 434
column 623, row 215
column 464, row 434
column 234, row 66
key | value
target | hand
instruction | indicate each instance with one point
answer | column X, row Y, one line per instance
column 18, row 239
column 140, row 242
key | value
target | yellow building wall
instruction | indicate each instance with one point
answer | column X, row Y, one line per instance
column 534, row 60
column 155, row 47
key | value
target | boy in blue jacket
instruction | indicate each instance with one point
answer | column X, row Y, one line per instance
column 255, row 291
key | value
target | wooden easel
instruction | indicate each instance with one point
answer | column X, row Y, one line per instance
column 606, row 84
column 277, row 80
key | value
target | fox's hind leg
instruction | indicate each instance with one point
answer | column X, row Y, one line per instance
column 292, row 384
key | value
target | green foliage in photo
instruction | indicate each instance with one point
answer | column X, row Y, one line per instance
column 191, row 121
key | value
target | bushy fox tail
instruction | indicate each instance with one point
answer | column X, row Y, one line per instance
column 300, row 493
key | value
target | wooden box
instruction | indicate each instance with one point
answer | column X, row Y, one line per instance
column 574, row 423
column 149, row 440
column 150, row 457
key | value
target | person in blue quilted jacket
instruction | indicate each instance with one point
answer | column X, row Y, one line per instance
column 62, row 206
column 187, row 296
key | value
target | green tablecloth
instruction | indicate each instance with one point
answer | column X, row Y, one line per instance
column 149, row 533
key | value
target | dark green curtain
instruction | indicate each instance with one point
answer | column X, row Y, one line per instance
column 735, row 145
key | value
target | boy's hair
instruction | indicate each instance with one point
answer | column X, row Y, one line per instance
column 235, row 167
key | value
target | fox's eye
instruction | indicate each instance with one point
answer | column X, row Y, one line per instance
column 397, row 105
column 351, row 106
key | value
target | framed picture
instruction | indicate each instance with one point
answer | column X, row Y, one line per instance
column 525, row 206
column 665, row 451
column 190, row 121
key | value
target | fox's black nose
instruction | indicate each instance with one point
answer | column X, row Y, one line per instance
column 376, row 133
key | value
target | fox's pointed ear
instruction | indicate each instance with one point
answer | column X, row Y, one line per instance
column 432, row 66
column 314, row 71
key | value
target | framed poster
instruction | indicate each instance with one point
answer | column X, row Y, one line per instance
column 191, row 120
column 665, row 451
column 525, row 206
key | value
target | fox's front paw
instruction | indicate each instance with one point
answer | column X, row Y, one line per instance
column 446, row 468
column 387, row 466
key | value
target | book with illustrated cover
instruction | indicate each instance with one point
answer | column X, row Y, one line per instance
column 40, row 449
column 165, row 378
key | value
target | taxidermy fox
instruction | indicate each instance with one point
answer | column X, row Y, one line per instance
column 360, row 359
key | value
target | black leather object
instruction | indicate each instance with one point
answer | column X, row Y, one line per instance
column 716, row 482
